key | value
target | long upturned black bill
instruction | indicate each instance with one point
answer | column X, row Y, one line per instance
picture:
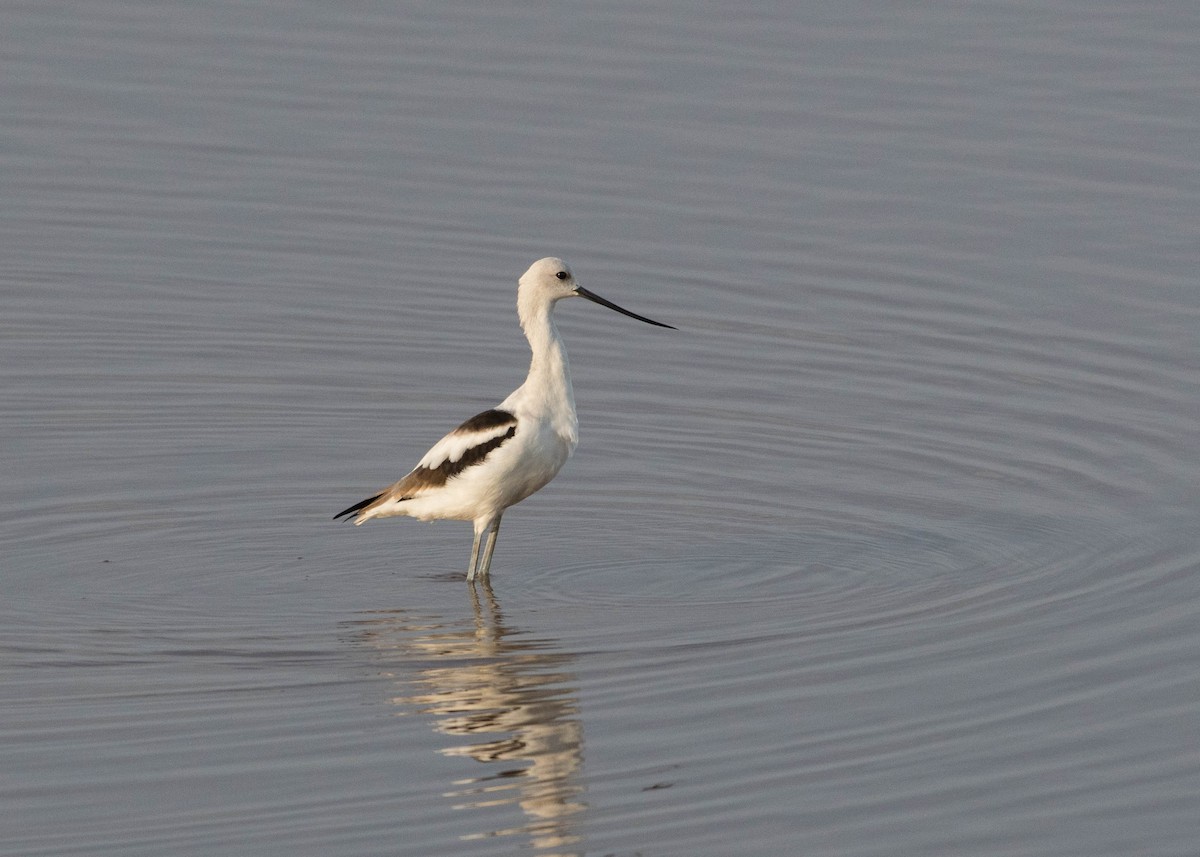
column 595, row 298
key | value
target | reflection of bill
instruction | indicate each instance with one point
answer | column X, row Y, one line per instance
column 509, row 696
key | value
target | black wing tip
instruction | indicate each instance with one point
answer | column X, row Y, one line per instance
column 357, row 506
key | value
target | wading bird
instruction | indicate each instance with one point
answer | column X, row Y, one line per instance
column 501, row 456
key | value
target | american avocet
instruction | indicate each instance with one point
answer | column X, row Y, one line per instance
column 501, row 456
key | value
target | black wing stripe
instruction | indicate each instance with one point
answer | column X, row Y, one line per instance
column 490, row 419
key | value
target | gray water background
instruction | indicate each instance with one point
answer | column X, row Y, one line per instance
column 891, row 549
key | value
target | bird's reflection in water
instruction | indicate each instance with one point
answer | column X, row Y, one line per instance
column 509, row 697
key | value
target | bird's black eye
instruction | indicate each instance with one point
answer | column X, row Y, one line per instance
column 562, row 275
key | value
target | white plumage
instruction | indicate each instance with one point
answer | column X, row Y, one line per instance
column 501, row 456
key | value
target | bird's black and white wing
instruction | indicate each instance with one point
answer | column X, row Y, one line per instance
column 467, row 445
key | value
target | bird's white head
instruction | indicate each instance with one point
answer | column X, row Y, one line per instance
column 551, row 278
column 548, row 281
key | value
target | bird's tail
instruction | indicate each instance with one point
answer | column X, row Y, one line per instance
column 357, row 507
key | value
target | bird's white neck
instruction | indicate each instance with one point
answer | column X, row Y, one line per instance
column 548, row 387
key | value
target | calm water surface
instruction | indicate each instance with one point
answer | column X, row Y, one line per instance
column 891, row 549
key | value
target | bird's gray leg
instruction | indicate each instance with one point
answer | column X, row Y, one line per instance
column 479, row 531
column 493, row 534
